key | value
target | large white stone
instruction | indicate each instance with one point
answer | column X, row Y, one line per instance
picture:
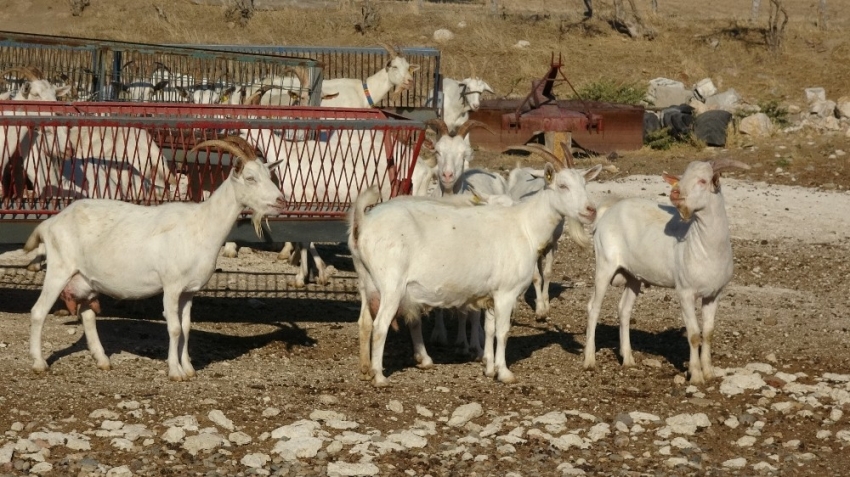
column 823, row 109
column 173, row 435
column 122, row 471
column 815, row 94
column 189, row 423
column 321, row 415
column 738, row 463
column 408, row 439
column 599, row 431
column 6, row 453
column 346, row 469
column 727, row 100
column 687, row 424
column 737, row 383
column 566, row 441
column 41, row 468
column 443, row 35
column 255, row 461
column 705, row 88
column 465, row 413
column 842, row 107
column 239, row 438
column 301, row 447
column 202, row 442
column 218, row 417
column 302, row 428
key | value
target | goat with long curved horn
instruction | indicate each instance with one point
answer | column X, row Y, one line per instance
column 439, row 127
column 464, row 128
column 542, row 152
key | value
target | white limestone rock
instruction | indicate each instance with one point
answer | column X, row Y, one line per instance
column 465, row 413
column 218, row 417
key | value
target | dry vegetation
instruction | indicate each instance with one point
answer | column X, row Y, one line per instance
column 693, row 41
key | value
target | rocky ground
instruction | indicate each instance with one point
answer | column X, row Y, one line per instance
column 277, row 390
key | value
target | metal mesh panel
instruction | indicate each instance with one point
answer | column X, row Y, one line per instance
column 360, row 63
column 52, row 154
column 122, row 71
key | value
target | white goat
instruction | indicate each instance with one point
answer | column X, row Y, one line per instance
column 174, row 249
column 524, row 182
column 411, row 255
column 35, row 88
column 396, row 75
column 461, row 97
column 638, row 241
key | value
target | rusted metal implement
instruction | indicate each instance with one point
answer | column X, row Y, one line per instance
column 53, row 153
column 102, row 70
column 594, row 126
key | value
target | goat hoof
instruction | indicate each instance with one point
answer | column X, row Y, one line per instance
column 104, row 365
column 697, row 378
column 283, row 256
column 507, row 377
column 34, row 267
column 490, row 373
column 424, row 363
column 40, row 366
column 380, row 382
column 365, row 377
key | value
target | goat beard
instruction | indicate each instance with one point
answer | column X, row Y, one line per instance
column 257, row 222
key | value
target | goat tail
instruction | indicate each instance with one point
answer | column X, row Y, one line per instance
column 35, row 238
column 577, row 233
column 367, row 198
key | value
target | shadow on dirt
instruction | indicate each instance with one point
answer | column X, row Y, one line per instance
column 668, row 345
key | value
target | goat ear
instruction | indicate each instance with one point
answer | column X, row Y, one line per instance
column 715, row 182
column 548, row 173
column 63, row 91
column 389, row 63
column 25, row 89
column 413, row 68
column 161, row 85
column 591, row 173
column 330, row 96
column 488, row 88
column 274, row 164
column 428, row 144
column 670, row 179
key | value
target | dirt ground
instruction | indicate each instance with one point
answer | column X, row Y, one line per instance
column 270, row 355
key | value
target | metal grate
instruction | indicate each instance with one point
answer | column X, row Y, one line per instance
column 53, row 153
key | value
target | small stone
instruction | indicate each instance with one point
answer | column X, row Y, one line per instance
column 122, row 471
column 218, row 417
column 328, row 400
column 345, row 469
column 738, row 463
column 652, row 363
column 111, row 425
column 202, row 442
column 271, row 412
column 239, row 438
column 746, row 441
column 522, row 44
column 395, row 406
column 41, row 468
column 424, row 411
column 464, row 414
column 173, row 435
column 255, row 461
column 443, row 35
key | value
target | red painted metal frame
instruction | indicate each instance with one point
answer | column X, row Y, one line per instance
column 325, row 148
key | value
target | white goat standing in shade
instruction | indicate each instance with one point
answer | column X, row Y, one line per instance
column 174, row 250
column 686, row 247
column 408, row 262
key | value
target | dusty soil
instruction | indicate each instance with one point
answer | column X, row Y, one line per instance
column 269, row 355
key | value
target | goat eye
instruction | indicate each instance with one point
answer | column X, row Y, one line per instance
column 250, row 179
column 563, row 186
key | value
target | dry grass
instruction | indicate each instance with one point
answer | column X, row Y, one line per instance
column 682, row 50
column 695, row 40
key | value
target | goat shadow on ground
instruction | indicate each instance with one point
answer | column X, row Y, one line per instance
column 555, row 290
column 668, row 344
column 137, row 326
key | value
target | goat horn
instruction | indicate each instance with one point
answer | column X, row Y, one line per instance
column 30, row 73
column 464, row 128
column 255, row 98
column 439, row 125
column 230, row 147
column 542, row 152
column 471, row 67
column 392, row 51
column 298, row 72
column 241, row 143
column 720, row 165
column 571, row 162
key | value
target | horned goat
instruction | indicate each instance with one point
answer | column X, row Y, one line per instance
column 525, row 182
column 686, row 247
column 396, row 76
column 174, row 250
column 461, row 97
column 405, row 266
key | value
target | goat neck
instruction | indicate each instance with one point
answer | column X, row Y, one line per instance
column 538, row 217
column 708, row 240
column 218, row 213
column 379, row 85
